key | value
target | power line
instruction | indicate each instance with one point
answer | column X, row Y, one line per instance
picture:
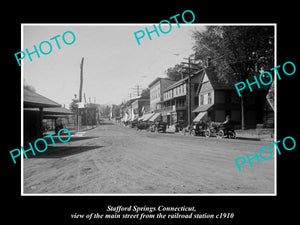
column 137, row 89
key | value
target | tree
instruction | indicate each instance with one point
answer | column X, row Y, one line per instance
column 175, row 73
column 145, row 93
column 116, row 110
column 29, row 87
column 104, row 110
column 236, row 52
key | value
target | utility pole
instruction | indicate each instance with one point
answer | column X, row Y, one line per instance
column 189, row 91
column 81, row 80
column 189, row 105
column 189, row 94
column 137, row 89
column 80, row 91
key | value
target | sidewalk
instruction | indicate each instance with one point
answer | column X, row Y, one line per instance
column 250, row 134
column 259, row 134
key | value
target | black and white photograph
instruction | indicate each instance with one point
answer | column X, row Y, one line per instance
column 168, row 115
column 162, row 117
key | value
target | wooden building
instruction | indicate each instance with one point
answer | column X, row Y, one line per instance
column 36, row 108
column 218, row 98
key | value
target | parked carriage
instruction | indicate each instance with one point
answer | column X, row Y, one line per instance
column 198, row 129
column 158, row 126
column 220, row 130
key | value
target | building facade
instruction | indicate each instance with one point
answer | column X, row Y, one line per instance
column 137, row 107
column 176, row 98
column 157, row 88
column 218, row 98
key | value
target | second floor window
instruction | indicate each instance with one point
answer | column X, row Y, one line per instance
column 196, row 100
column 201, row 99
column 209, row 98
column 205, row 99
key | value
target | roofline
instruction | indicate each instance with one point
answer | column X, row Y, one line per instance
column 141, row 100
column 177, row 83
column 158, row 79
column 33, row 104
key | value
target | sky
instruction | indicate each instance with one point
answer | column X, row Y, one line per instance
column 114, row 63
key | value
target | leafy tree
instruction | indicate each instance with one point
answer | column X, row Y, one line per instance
column 236, row 52
column 29, row 87
column 116, row 110
column 104, row 110
column 175, row 73
column 145, row 93
column 180, row 71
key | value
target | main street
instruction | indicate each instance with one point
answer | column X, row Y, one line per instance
column 112, row 159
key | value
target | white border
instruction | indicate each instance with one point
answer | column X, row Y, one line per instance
column 146, row 24
column 22, row 114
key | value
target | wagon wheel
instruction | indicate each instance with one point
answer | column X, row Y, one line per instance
column 232, row 134
column 220, row 134
column 207, row 133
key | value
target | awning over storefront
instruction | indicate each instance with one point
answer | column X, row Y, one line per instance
column 142, row 117
column 148, row 116
column 155, row 117
column 203, row 108
column 200, row 116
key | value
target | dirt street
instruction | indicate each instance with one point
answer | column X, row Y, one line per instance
column 114, row 159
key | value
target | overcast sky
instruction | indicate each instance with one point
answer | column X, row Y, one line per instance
column 113, row 61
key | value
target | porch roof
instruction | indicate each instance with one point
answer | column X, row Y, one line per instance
column 34, row 100
column 203, row 108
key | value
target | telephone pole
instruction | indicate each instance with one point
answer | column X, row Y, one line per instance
column 189, row 105
column 189, row 89
column 189, row 93
column 137, row 89
column 81, row 80
column 80, row 92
